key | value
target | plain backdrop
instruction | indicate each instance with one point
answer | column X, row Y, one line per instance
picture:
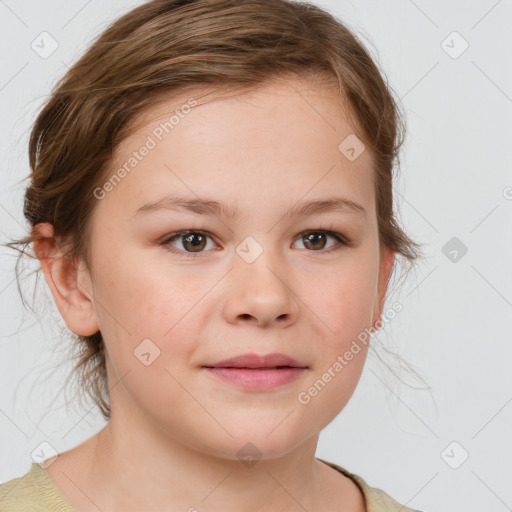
column 446, row 448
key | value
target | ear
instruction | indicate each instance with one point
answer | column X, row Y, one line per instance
column 387, row 259
column 73, row 299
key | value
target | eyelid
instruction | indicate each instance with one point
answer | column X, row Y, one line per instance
column 342, row 240
column 330, row 232
column 178, row 234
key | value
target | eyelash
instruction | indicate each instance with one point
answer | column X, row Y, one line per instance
column 342, row 241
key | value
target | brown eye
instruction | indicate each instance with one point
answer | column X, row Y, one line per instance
column 194, row 242
column 315, row 241
column 190, row 241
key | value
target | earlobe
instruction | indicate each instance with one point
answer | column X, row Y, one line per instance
column 385, row 268
column 63, row 276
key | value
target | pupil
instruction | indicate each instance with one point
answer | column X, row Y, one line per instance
column 313, row 238
column 197, row 243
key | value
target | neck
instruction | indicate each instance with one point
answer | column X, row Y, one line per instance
column 134, row 465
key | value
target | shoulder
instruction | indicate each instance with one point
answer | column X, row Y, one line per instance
column 32, row 492
column 376, row 499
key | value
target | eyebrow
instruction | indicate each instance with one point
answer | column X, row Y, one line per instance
column 208, row 206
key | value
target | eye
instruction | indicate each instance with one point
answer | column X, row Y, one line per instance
column 191, row 241
column 317, row 240
column 194, row 242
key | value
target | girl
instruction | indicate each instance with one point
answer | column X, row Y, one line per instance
column 211, row 203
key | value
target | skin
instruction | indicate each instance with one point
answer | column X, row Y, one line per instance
column 175, row 429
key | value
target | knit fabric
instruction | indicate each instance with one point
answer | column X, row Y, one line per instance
column 36, row 492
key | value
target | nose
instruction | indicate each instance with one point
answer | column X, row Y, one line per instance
column 261, row 293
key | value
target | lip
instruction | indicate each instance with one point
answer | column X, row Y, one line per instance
column 255, row 361
column 257, row 372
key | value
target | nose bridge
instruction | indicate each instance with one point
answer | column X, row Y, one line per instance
column 259, row 265
column 259, row 290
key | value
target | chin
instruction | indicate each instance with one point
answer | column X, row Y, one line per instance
column 252, row 444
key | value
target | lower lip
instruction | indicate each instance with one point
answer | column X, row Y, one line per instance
column 257, row 378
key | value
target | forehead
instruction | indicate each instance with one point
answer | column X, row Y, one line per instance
column 283, row 136
column 274, row 91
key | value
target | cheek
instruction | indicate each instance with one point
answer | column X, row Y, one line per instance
column 137, row 294
column 330, row 388
column 345, row 309
column 345, row 301
column 345, row 304
column 144, row 316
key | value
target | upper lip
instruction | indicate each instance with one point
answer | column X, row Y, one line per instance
column 257, row 361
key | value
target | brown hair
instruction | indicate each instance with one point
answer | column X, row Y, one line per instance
column 167, row 46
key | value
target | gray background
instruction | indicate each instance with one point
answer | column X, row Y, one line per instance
column 455, row 181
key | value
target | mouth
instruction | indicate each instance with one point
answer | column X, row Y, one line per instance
column 255, row 361
column 258, row 373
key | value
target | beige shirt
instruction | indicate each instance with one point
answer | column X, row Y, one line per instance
column 35, row 491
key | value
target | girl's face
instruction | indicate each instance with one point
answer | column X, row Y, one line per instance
column 254, row 177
